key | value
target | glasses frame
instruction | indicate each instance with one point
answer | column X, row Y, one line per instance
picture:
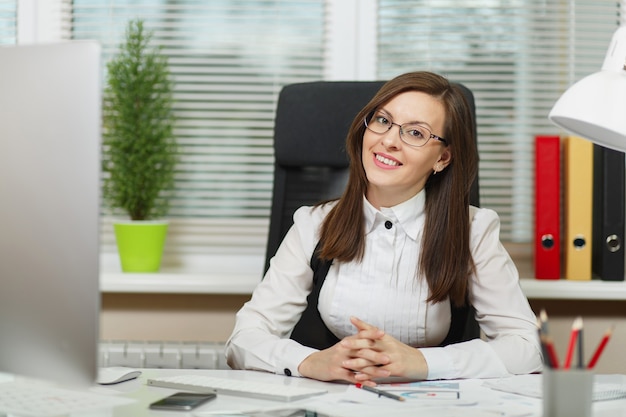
column 401, row 132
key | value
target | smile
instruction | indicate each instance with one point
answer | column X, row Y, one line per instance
column 386, row 161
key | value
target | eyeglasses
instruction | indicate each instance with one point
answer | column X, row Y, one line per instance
column 412, row 134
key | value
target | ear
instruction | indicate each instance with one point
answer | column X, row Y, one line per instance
column 443, row 161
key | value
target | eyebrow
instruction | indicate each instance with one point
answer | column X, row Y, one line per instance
column 413, row 122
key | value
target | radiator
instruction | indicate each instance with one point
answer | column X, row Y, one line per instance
column 155, row 354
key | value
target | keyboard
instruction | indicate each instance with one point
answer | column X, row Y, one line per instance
column 226, row 386
column 37, row 400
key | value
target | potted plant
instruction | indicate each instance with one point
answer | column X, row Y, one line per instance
column 140, row 151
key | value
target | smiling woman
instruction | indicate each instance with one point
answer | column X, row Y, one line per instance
column 403, row 170
column 403, row 250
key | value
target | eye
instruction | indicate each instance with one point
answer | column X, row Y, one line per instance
column 381, row 120
column 415, row 132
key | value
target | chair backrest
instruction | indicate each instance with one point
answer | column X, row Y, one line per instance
column 311, row 165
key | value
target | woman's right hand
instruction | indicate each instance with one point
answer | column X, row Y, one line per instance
column 328, row 364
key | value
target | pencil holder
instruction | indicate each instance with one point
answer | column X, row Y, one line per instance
column 567, row 393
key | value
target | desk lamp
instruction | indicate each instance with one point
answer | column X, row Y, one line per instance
column 595, row 107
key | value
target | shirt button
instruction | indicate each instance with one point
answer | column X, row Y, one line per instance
column 287, row 371
column 388, row 224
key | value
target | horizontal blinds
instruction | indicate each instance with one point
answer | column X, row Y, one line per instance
column 517, row 57
column 229, row 60
column 8, row 22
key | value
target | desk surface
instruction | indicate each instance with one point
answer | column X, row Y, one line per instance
column 342, row 400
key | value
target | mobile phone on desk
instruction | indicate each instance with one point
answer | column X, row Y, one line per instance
column 183, row 401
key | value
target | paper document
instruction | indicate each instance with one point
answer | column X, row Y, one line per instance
column 605, row 387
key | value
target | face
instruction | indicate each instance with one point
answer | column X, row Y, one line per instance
column 396, row 171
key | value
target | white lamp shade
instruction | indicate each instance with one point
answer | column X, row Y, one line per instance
column 595, row 108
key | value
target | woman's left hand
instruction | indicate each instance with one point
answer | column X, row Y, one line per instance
column 402, row 360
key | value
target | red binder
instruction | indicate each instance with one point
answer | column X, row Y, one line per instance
column 547, row 207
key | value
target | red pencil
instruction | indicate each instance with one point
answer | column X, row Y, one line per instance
column 600, row 348
column 576, row 326
column 553, row 360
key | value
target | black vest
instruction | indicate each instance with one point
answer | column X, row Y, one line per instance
column 311, row 330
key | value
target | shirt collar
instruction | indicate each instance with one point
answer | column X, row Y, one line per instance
column 408, row 214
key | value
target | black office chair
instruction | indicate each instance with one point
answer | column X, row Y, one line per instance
column 311, row 165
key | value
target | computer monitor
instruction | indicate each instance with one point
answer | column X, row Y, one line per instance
column 50, row 133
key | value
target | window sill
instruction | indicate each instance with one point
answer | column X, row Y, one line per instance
column 192, row 274
column 172, row 282
column 240, row 275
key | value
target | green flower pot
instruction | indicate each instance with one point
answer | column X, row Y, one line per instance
column 140, row 244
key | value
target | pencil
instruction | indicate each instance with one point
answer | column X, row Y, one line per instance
column 581, row 357
column 544, row 349
column 543, row 321
column 380, row 392
column 574, row 335
column 553, row 360
column 600, row 348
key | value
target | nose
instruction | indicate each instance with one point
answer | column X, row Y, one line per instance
column 391, row 139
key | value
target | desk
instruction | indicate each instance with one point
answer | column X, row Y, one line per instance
column 478, row 400
column 474, row 398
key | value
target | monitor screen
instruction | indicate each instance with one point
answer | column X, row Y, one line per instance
column 50, row 133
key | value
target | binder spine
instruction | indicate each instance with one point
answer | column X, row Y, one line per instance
column 578, row 209
column 547, row 245
column 609, row 214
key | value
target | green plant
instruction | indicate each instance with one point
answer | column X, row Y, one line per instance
column 140, row 151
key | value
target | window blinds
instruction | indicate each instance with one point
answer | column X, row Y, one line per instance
column 517, row 56
column 229, row 60
column 8, row 22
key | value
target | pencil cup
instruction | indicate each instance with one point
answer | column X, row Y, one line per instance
column 567, row 393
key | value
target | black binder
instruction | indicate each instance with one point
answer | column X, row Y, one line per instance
column 608, row 214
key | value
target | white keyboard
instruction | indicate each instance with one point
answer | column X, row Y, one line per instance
column 226, row 386
column 38, row 400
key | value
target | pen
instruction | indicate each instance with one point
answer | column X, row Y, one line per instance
column 380, row 392
column 600, row 348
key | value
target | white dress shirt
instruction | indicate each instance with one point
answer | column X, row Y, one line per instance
column 386, row 290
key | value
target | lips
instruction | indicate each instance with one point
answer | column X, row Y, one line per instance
column 386, row 161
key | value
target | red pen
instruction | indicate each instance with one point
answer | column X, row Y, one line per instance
column 600, row 348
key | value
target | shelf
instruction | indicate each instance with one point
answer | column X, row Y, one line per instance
column 195, row 274
column 176, row 283
column 561, row 289
column 185, row 283
column 242, row 274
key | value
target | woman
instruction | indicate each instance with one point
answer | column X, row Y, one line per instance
column 405, row 247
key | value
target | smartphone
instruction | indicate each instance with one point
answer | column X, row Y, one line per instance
column 184, row 401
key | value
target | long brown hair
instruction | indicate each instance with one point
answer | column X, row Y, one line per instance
column 446, row 260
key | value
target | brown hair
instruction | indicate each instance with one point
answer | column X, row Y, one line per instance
column 446, row 260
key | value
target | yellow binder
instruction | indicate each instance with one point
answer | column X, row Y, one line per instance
column 578, row 207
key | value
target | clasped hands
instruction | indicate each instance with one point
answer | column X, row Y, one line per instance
column 365, row 356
